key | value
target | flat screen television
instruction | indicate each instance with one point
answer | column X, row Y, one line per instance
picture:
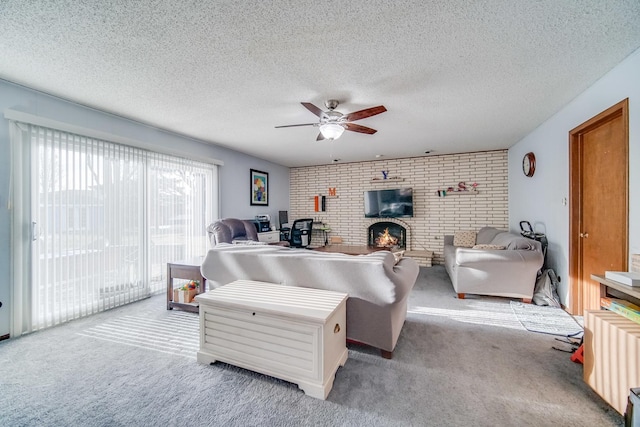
column 388, row 203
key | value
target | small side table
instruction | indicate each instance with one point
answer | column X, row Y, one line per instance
column 423, row 258
column 269, row 236
column 324, row 228
column 188, row 269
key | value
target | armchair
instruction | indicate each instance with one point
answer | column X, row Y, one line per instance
column 228, row 230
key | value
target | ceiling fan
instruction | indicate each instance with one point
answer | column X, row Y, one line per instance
column 333, row 123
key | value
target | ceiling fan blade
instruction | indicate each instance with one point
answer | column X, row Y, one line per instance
column 315, row 110
column 320, row 137
column 304, row 124
column 368, row 112
column 357, row 128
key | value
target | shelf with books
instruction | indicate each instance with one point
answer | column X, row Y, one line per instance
column 622, row 307
column 631, row 291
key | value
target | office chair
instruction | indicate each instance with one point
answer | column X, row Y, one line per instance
column 283, row 217
column 300, row 234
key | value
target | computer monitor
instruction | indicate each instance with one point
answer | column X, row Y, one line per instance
column 283, row 218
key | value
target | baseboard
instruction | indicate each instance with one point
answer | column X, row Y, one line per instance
column 5, row 337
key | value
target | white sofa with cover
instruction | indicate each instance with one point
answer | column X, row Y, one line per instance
column 377, row 286
column 494, row 262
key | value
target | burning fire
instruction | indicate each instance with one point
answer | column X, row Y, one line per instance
column 385, row 239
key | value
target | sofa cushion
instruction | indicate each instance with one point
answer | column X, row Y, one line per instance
column 512, row 241
column 465, row 239
column 486, row 235
column 491, row 247
column 522, row 243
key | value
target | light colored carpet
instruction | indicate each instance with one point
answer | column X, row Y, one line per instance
column 177, row 333
column 458, row 363
column 546, row 320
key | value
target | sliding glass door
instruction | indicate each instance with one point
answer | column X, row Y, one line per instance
column 104, row 219
column 179, row 195
column 88, row 225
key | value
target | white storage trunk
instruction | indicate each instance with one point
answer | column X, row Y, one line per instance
column 293, row 333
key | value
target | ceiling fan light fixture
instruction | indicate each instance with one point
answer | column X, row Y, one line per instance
column 331, row 130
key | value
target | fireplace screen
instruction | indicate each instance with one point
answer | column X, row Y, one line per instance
column 387, row 235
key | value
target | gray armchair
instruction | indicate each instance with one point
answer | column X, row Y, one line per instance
column 228, row 230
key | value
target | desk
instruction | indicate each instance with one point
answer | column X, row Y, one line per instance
column 423, row 258
column 188, row 269
column 323, row 228
column 269, row 236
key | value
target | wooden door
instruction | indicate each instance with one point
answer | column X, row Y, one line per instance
column 599, row 213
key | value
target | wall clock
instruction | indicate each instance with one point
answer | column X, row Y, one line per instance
column 529, row 164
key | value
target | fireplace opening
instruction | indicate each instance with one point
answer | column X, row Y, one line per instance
column 386, row 234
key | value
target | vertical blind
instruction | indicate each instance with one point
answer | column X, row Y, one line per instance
column 180, row 207
column 105, row 219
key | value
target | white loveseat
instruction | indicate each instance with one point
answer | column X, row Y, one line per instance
column 498, row 263
column 378, row 287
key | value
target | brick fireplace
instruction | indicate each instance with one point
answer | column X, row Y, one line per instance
column 387, row 234
column 433, row 216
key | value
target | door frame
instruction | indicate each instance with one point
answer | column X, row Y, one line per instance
column 621, row 109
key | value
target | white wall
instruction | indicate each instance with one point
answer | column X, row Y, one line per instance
column 234, row 175
column 540, row 199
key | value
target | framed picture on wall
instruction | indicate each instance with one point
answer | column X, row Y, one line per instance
column 259, row 188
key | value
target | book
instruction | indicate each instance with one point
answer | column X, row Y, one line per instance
column 624, row 277
column 622, row 307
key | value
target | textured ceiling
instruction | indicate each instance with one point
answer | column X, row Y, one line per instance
column 455, row 76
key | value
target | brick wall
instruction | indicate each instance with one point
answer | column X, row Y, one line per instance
column 433, row 216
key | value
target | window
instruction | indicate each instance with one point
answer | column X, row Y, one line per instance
column 104, row 218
